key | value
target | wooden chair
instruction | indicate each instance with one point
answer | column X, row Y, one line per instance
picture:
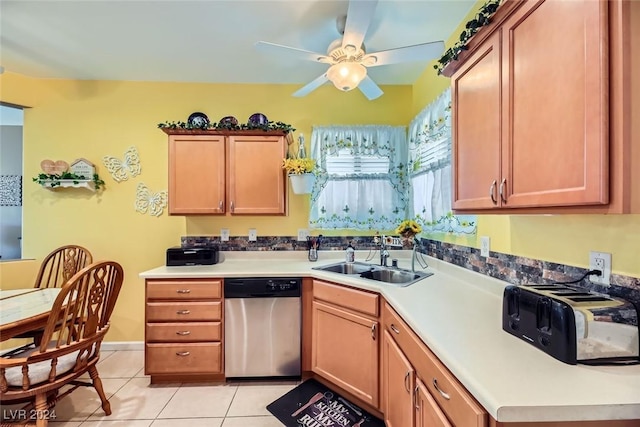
column 56, row 269
column 61, row 264
column 77, row 324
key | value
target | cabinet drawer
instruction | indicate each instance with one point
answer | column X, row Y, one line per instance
column 205, row 311
column 184, row 289
column 456, row 402
column 193, row 358
column 343, row 296
column 184, row 332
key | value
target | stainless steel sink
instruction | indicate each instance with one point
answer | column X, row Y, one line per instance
column 346, row 267
column 391, row 275
column 395, row 276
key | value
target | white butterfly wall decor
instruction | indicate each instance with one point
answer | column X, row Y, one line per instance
column 121, row 170
column 148, row 201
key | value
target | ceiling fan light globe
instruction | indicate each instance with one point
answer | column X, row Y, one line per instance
column 346, row 75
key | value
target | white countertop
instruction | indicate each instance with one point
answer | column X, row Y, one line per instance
column 458, row 314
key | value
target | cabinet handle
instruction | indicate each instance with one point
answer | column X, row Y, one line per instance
column 182, row 353
column 232, row 207
column 373, row 331
column 183, row 332
column 492, row 191
column 183, row 311
column 221, row 205
column 183, row 291
column 406, row 382
column 415, row 397
column 502, row 196
column 442, row 393
column 394, row 329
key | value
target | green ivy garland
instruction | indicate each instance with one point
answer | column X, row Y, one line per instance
column 481, row 19
column 53, row 180
column 269, row 126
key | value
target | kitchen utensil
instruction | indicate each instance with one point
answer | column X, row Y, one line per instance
column 311, row 401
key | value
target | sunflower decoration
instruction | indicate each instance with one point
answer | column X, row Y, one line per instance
column 408, row 228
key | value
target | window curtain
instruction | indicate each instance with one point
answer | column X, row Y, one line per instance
column 364, row 200
column 429, row 167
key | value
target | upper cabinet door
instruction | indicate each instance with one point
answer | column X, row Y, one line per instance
column 476, row 128
column 196, row 174
column 256, row 181
column 555, row 104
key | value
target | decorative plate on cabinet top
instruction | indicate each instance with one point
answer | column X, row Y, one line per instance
column 229, row 120
column 198, row 120
column 258, row 119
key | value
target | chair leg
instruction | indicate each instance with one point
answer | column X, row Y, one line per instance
column 42, row 410
column 97, row 384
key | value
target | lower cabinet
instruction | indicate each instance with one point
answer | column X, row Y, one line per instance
column 417, row 390
column 345, row 340
column 183, row 330
column 428, row 413
column 398, row 377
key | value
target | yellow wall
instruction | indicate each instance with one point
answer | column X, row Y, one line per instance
column 91, row 119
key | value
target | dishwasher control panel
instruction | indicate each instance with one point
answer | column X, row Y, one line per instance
column 262, row 287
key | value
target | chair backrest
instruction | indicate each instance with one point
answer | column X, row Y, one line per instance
column 61, row 264
column 83, row 307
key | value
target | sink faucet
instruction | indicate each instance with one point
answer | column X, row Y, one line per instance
column 384, row 253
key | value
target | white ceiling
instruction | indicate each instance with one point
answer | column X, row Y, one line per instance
column 205, row 41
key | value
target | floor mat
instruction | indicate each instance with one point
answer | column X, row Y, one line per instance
column 312, row 404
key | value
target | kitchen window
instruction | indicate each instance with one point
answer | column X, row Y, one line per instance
column 429, row 168
column 362, row 180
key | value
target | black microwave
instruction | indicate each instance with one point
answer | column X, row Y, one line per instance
column 179, row 256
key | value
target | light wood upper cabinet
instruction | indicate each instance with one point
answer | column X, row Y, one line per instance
column 256, row 178
column 531, row 109
column 215, row 173
column 196, row 174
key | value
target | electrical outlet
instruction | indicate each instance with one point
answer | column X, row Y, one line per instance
column 485, row 246
column 224, row 234
column 253, row 235
column 303, row 233
column 600, row 261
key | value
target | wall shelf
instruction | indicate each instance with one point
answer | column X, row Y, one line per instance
column 69, row 183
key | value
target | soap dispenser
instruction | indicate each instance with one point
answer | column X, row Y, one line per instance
column 350, row 254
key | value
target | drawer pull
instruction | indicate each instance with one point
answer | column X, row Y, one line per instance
column 442, row 393
column 183, row 332
column 406, row 382
column 394, row 329
column 183, row 353
column 184, row 291
column 183, row 311
column 373, row 331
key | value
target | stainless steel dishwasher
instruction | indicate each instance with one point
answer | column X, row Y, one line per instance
column 262, row 327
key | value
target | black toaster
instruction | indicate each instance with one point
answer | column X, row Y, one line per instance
column 179, row 256
column 573, row 324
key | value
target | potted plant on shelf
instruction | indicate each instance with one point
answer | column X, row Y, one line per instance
column 300, row 171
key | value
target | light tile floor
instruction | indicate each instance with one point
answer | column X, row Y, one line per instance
column 137, row 403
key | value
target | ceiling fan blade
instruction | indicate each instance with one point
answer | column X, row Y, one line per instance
column 418, row 52
column 291, row 51
column 311, row 86
column 359, row 16
column 370, row 89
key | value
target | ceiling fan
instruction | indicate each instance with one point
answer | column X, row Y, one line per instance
column 348, row 58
